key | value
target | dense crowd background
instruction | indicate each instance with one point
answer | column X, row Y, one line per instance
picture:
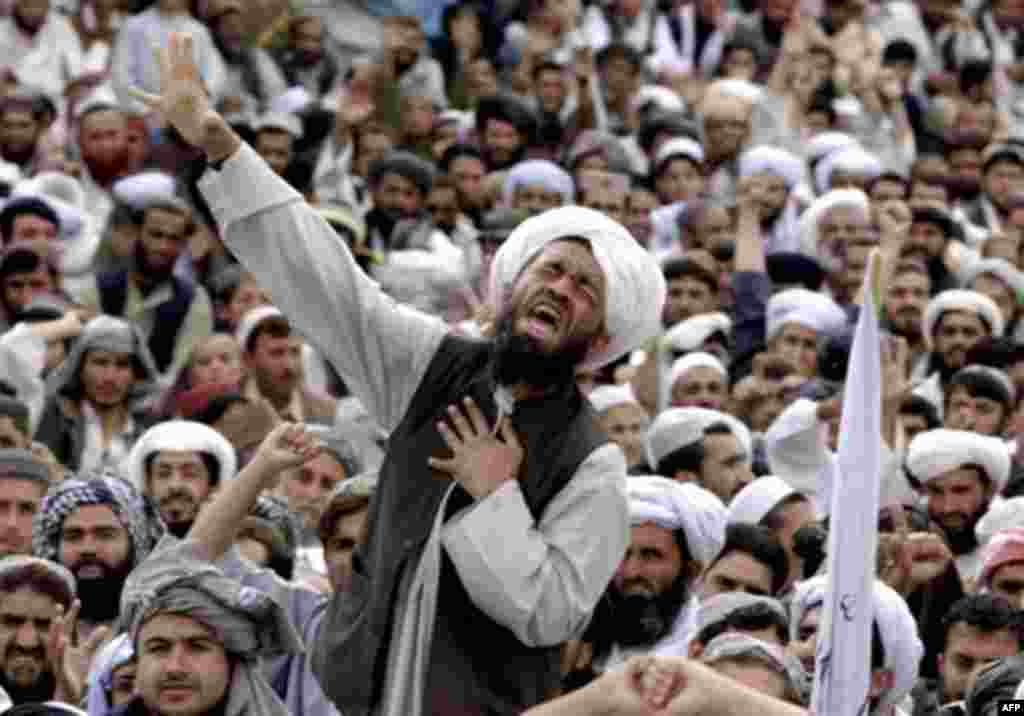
column 759, row 150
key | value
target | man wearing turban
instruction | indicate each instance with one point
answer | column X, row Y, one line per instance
column 519, row 496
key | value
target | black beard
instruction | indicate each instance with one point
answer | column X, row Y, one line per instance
column 518, row 359
column 41, row 691
column 178, row 529
column 19, row 155
column 769, row 219
column 963, row 540
column 383, row 220
column 496, row 165
column 151, row 275
column 101, row 598
column 640, row 620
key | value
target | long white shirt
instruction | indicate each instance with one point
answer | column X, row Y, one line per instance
column 539, row 578
column 47, row 60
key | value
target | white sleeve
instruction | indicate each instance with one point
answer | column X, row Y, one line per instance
column 543, row 579
column 381, row 348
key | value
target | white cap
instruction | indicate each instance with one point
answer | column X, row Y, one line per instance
column 679, row 147
column 689, row 334
column 679, row 505
column 756, row 500
column 934, row 453
column 806, row 308
column 252, row 318
column 282, row 121
column 968, row 302
column 606, row 397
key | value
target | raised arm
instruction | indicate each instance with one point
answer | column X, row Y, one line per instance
column 380, row 348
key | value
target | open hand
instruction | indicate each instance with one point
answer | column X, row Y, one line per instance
column 183, row 101
column 481, row 461
column 288, row 445
column 69, row 658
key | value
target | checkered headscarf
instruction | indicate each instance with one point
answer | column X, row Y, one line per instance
column 66, row 497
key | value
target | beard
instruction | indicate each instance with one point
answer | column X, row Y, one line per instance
column 39, row 691
column 178, row 510
column 962, row 540
column 153, row 275
column 639, row 620
column 17, row 153
column 520, row 359
column 384, row 221
column 101, row 596
column 105, row 168
column 963, row 188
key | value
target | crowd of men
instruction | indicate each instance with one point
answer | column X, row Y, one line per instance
column 501, row 370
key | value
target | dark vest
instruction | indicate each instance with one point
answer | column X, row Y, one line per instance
column 170, row 315
column 476, row 666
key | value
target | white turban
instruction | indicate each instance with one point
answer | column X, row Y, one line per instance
column 538, row 172
column 606, row 397
column 636, row 288
column 679, row 147
column 852, row 160
column 252, row 318
column 968, row 302
column 751, row 504
column 281, row 121
column 806, row 308
column 181, row 435
column 1002, row 270
column 825, row 143
column 688, row 362
column 1001, row 515
column 737, row 88
column 141, row 190
column 679, row 505
column 810, row 219
column 896, row 625
column 934, row 453
column 662, row 97
column 677, row 428
column 689, row 335
column 62, row 193
column 772, row 160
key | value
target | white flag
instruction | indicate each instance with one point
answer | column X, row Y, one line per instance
column 842, row 675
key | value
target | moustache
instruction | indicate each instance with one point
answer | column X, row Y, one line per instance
column 178, row 682
column 15, row 652
column 86, row 563
column 177, row 495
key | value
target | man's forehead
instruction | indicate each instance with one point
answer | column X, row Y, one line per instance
column 177, row 457
column 176, row 627
column 92, row 516
column 576, row 250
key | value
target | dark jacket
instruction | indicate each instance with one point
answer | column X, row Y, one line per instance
column 62, row 429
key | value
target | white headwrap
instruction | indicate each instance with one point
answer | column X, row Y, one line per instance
column 1002, row 270
column 806, row 308
column 751, row 504
column 689, row 335
column 539, row 172
column 676, row 428
column 690, row 361
column 740, row 89
column 825, row 143
column 282, row 121
column 900, row 639
column 606, row 397
column 852, row 160
column 252, row 318
column 934, row 453
column 1001, row 515
column 811, row 218
column 140, row 190
column 662, row 97
column 678, row 147
column 62, row 193
column 772, row 160
column 679, row 505
column 115, row 653
column 968, row 302
column 181, row 435
column 636, row 287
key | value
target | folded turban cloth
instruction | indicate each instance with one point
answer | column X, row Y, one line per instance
column 173, row 580
column 281, row 121
column 181, row 435
column 717, row 609
column 852, row 160
column 810, row 220
column 18, row 464
column 900, row 639
column 1006, row 547
column 806, row 308
column 635, row 294
column 405, row 164
column 753, row 503
column 58, row 575
column 967, row 302
column 63, row 194
column 1001, row 515
column 733, row 645
column 772, row 160
column 115, row 653
column 934, row 453
column 663, row 99
column 678, row 505
column 676, row 428
column 689, row 335
column 678, row 147
column 66, row 497
column 688, row 362
column 1002, row 270
column 606, row 397
column 140, row 190
column 252, row 318
column 739, row 89
column 538, row 172
column 825, row 143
